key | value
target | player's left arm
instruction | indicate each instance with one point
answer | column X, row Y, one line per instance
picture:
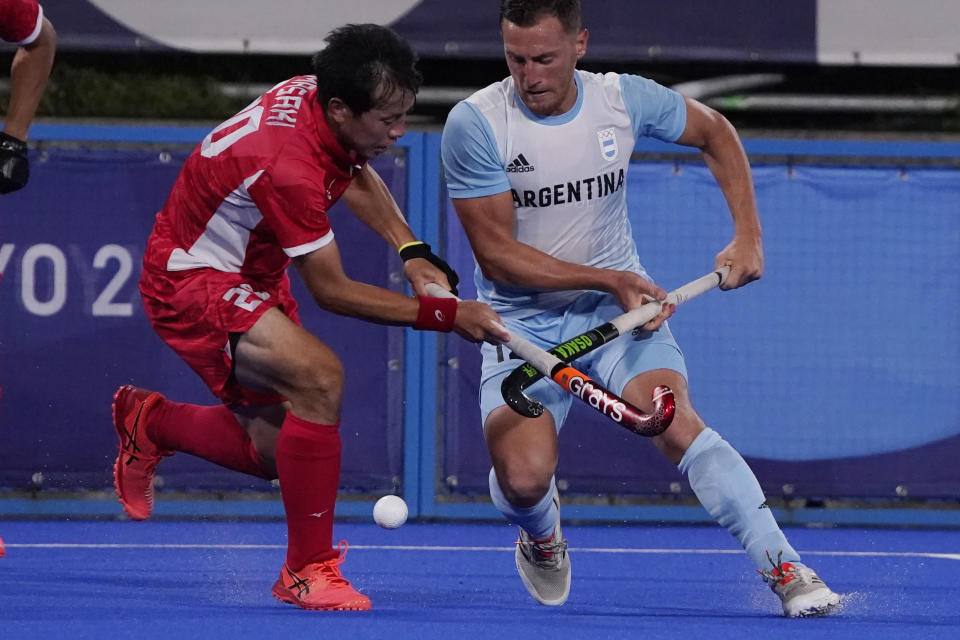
column 371, row 201
column 717, row 139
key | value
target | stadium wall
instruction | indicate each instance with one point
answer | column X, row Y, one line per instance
column 837, row 375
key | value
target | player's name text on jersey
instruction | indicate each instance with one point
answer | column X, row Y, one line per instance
column 571, row 192
column 288, row 100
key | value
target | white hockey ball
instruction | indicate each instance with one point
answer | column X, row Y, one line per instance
column 390, row 512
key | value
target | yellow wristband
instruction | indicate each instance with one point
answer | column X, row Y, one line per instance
column 409, row 244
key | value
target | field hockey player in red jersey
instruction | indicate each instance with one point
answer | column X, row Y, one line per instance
column 252, row 199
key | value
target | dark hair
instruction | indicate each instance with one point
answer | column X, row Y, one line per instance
column 526, row 13
column 359, row 60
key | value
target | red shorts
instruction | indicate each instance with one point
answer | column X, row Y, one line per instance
column 195, row 312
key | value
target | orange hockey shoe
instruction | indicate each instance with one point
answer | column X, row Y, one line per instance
column 320, row 586
column 138, row 458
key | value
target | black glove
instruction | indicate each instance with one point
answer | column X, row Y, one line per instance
column 413, row 250
column 14, row 169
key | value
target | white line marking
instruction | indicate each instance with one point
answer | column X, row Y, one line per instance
column 373, row 547
column 79, row 545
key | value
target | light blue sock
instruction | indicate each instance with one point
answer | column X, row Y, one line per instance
column 729, row 491
column 538, row 520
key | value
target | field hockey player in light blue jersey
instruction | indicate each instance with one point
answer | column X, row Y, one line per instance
column 536, row 166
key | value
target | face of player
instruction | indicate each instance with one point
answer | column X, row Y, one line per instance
column 542, row 59
column 370, row 134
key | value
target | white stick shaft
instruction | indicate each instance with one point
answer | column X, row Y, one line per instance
column 544, row 361
column 642, row 315
column 541, row 360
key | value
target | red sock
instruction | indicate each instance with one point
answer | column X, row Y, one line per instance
column 211, row 433
column 308, row 462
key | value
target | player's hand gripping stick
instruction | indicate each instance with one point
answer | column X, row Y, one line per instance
column 523, row 376
column 584, row 388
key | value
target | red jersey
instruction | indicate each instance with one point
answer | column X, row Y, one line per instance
column 256, row 191
column 20, row 21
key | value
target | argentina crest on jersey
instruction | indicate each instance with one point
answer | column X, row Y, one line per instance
column 608, row 143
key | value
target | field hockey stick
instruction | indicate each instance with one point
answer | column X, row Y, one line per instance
column 583, row 387
column 523, row 376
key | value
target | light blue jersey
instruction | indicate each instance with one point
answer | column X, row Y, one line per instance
column 568, row 177
column 567, row 173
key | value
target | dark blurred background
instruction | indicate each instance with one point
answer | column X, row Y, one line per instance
column 802, row 66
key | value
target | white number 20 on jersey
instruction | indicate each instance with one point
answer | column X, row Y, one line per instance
column 252, row 115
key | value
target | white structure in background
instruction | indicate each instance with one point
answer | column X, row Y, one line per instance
column 232, row 26
column 888, row 32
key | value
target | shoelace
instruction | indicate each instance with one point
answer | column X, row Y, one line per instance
column 331, row 567
column 775, row 574
column 779, row 573
column 545, row 552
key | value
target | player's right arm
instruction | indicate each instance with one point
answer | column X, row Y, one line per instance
column 483, row 201
column 22, row 23
column 333, row 290
column 28, row 78
column 488, row 222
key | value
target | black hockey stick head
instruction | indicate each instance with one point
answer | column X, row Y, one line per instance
column 512, row 390
column 523, row 376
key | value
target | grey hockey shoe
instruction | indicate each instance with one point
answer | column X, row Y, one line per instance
column 802, row 592
column 544, row 565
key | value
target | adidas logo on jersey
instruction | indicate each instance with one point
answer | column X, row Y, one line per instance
column 519, row 165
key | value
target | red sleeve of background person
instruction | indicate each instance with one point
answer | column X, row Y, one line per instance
column 18, row 19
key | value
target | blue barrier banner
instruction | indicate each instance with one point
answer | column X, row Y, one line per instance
column 72, row 327
column 836, row 375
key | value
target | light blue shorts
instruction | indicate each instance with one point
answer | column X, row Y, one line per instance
column 612, row 365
